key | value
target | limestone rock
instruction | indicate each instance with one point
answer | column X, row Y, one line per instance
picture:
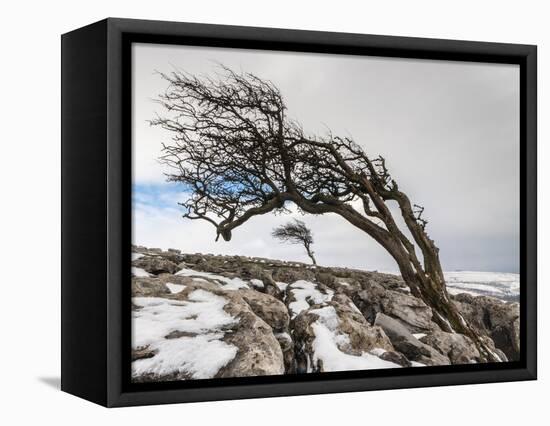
column 413, row 313
column 396, row 358
column 261, row 280
column 409, row 345
column 148, row 287
column 334, row 336
column 156, row 265
column 268, row 308
column 290, row 275
column 494, row 318
column 458, row 348
column 287, row 347
column 259, row 352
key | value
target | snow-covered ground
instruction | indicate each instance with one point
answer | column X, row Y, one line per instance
column 502, row 285
column 199, row 352
column 328, row 339
column 139, row 272
column 306, row 293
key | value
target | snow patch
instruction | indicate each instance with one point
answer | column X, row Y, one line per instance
column 139, row 272
column 455, row 291
column 175, row 288
column 501, row 285
column 327, row 343
column 378, row 351
column 136, row 256
column 256, row 283
column 199, row 352
column 305, row 294
column 496, row 284
column 282, row 286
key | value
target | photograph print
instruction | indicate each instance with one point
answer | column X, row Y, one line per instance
column 298, row 213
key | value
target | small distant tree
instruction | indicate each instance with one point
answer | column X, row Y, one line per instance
column 296, row 233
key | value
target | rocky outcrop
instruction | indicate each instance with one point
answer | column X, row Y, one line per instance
column 413, row 313
column 261, row 280
column 203, row 316
column 259, row 352
column 155, row 264
column 494, row 318
column 271, row 310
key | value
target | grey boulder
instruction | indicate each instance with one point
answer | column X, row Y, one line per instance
column 457, row 347
column 409, row 345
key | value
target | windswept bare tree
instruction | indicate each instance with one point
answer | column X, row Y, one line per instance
column 296, row 232
column 239, row 155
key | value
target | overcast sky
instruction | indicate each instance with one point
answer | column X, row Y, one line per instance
column 449, row 132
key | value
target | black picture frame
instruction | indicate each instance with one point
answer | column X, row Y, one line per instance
column 96, row 208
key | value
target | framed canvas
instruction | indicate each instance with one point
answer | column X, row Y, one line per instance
column 255, row 212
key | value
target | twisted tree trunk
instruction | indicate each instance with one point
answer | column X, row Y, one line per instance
column 310, row 254
column 433, row 292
